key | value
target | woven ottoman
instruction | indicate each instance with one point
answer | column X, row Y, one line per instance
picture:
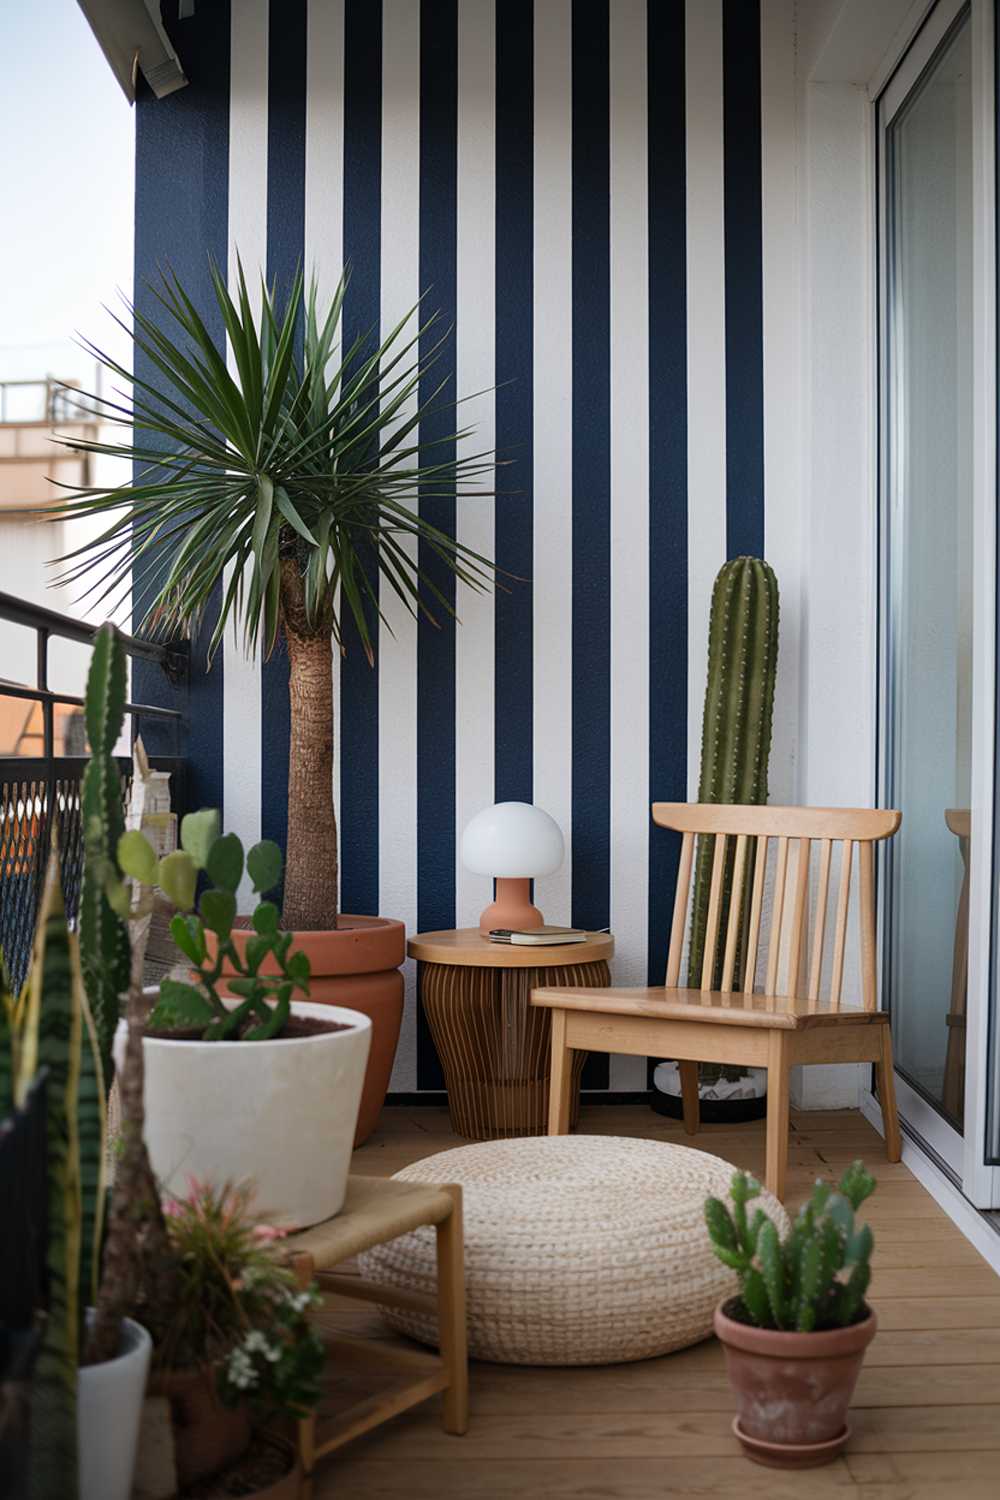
column 579, row 1250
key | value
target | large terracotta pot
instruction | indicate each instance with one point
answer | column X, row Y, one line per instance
column 357, row 966
column 792, row 1390
column 207, row 1434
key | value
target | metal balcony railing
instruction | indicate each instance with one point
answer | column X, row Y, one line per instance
column 40, row 786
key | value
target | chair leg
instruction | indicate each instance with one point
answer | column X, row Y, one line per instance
column 777, row 1113
column 451, row 1316
column 689, row 1096
column 307, row 1454
column 560, row 1077
column 887, row 1099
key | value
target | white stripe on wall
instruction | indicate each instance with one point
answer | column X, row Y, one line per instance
column 706, row 347
column 629, row 509
column 324, row 193
column 783, row 423
column 241, row 682
column 475, row 372
column 397, row 681
column 552, row 569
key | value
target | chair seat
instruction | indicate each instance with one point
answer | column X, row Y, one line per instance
column 772, row 1012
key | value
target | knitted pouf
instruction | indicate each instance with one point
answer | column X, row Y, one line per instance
column 579, row 1250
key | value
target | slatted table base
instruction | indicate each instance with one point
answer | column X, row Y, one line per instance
column 494, row 1045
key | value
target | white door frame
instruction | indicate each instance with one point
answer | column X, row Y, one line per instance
column 963, row 1158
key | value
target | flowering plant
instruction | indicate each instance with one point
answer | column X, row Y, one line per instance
column 238, row 1309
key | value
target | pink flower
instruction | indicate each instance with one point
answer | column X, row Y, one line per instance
column 266, row 1232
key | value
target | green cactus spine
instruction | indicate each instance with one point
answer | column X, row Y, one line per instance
column 818, row 1276
column 104, row 944
column 736, row 729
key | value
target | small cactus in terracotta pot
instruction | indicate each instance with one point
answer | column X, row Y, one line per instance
column 796, row 1335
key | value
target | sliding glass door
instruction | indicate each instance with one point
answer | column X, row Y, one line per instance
column 937, row 587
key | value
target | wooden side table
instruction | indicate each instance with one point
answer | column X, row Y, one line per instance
column 492, row 1042
column 377, row 1210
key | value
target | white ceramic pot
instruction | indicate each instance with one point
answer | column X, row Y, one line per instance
column 281, row 1114
column 108, row 1409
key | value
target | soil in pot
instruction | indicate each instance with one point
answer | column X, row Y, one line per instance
column 295, row 1026
column 793, row 1390
column 269, row 1470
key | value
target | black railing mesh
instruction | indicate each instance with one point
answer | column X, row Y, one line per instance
column 32, row 810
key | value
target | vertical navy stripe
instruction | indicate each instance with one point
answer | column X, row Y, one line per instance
column 181, row 220
column 668, row 513
column 591, row 546
column 286, row 169
column 743, row 280
column 515, row 46
column 359, row 717
column 436, row 644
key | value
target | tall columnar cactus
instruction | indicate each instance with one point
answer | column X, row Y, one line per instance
column 817, row 1278
column 104, row 941
column 739, row 704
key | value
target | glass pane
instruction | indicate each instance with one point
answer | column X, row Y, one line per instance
column 929, row 538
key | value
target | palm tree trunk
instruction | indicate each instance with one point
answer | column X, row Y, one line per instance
column 311, row 883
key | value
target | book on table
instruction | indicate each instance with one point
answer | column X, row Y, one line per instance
column 537, row 937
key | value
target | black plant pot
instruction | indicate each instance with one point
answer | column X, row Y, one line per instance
column 711, row 1111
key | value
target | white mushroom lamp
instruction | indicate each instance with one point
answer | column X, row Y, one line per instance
column 514, row 842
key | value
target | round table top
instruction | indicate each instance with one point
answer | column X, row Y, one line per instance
column 466, row 945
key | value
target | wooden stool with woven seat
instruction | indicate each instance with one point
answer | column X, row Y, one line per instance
column 377, row 1210
column 726, row 1020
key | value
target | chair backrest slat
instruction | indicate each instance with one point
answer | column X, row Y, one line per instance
column 714, row 910
column 680, row 910
column 794, row 930
column 798, row 948
column 840, row 931
column 777, row 917
column 866, row 918
column 735, row 920
column 756, row 906
column 819, row 930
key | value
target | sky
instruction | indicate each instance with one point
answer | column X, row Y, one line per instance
column 66, row 215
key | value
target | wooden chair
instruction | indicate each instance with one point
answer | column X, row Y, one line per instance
column 788, row 1023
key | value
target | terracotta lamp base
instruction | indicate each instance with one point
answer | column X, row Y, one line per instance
column 511, row 907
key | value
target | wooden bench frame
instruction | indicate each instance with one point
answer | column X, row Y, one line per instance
column 376, row 1211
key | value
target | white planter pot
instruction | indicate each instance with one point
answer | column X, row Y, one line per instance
column 108, row 1409
column 281, row 1114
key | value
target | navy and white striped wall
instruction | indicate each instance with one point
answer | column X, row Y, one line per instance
column 577, row 185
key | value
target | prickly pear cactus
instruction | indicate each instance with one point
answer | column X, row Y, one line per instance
column 818, row 1276
column 739, row 705
column 104, row 945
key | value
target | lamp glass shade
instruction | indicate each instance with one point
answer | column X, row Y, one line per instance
column 512, row 840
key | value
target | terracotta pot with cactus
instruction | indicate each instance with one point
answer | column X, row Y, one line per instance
column 287, row 480
column 795, row 1337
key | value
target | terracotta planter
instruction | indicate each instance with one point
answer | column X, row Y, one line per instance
column 792, row 1389
column 207, row 1434
column 357, row 966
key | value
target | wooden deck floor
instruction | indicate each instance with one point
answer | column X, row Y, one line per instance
column 926, row 1420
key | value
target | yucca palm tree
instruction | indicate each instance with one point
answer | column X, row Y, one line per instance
column 292, row 481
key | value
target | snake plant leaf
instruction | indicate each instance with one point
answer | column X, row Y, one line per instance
column 55, row 1018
